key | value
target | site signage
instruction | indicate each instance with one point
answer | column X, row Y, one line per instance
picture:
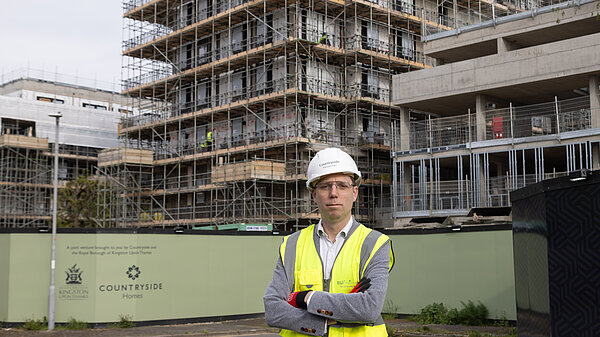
column 131, row 275
column 101, row 277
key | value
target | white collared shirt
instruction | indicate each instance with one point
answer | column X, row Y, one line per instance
column 329, row 250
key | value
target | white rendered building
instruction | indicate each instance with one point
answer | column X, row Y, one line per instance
column 89, row 124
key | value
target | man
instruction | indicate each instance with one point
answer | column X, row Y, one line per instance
column 331, row 279
column 323, row 39
column 207, row 143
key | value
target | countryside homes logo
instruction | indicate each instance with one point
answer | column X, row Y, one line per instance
column 133, row 287
column 133, row 272
column 74, row 275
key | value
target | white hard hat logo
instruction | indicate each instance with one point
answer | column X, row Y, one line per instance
column 329, row 161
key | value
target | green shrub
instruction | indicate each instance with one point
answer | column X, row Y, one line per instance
column 125, row 322
column 472, row 314
column 452, row 317
column 432, row 313
column 36, row 324
column 438, row 313
column 74, row 324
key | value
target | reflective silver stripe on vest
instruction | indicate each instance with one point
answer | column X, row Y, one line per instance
column 366, row 250
column 290, row 259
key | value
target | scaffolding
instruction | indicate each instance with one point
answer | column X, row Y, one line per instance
column 26, row 166
column 234, row 98
column 27, row 139
column 25, row 181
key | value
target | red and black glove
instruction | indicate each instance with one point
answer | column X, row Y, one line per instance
column 298, row 299
column 361, row 286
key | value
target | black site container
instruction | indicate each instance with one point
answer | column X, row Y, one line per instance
column 556, row 240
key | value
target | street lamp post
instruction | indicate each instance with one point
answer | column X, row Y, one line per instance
column 52, row 295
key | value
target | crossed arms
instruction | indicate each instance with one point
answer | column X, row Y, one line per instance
column 362, row 307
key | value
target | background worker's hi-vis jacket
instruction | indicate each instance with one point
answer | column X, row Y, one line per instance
column 365, row 253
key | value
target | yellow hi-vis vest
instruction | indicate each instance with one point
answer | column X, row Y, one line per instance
column 207, row 140
column 303, row 267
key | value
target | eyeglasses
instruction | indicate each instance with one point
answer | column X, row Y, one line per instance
column 341, row 186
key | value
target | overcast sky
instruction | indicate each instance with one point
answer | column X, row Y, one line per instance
column 74, row 37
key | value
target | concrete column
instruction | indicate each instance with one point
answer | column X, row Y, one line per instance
column 407, row 188
column 594, row 101
column 482, row 181
column 404, row 129
column 504, row 45
column 480, row 102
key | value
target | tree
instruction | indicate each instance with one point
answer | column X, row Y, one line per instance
column 77, row 202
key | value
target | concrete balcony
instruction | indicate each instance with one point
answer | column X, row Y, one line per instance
column 530, row 74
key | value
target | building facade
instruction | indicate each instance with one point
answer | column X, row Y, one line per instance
column 27, row 136
column 243, row 93
column 510, row 102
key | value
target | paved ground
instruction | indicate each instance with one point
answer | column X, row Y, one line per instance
column 248, row 327
column 244, row 327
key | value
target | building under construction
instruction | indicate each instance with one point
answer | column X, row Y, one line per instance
column 27, row 137
column 511, row 102
column 238, row 96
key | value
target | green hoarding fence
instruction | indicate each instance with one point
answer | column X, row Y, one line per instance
column 168, row 276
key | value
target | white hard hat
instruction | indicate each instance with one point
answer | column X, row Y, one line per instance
column 331, row 160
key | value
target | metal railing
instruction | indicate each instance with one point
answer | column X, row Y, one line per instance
column 412, row 9
column 299, row 81
column 319, row 35
column 441, row 132
column 368, row 91
column 148, row 33
column 474, row 13
column 181, row 183
column 144, row 118
column 489, row 13
column 79, row 150
column 462, row 195
column 539, row 119
column 358, row 42
column 157, row 73
column 131, row 4
column 551, row 118
column 56, row 77
column 230, row 211
column 272, row 125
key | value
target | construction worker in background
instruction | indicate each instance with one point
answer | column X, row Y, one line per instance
column 207, row 143
column 331, row 278
column 324, row 39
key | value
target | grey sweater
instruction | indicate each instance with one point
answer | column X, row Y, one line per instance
column 363, row 308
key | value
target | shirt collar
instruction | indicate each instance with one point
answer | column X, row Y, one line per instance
column 343, row 233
